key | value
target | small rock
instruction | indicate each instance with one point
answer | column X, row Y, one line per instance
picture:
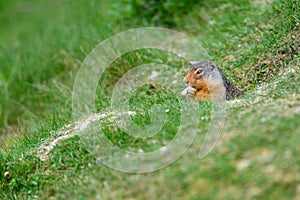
column 243, row 164
column 131, row 113
column 153, row 75
column 141, row 151
column 211, row 22
column 163, row 149
column 297, row 109
column 7, row 175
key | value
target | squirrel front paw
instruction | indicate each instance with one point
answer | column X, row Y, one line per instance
column 189, row 91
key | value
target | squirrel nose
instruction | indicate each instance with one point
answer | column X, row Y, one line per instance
column 186, row 81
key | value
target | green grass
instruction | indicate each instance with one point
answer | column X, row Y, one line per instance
column 42, row 45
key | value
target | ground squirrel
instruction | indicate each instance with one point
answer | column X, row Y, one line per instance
column 206, row 81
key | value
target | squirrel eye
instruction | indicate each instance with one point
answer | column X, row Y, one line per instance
column 199, row 71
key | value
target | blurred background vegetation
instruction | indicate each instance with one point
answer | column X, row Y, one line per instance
column 43, row 43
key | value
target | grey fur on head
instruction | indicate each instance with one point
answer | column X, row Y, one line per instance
column 213, row 74
column 211, row 71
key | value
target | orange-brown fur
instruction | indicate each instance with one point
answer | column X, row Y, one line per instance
column 205, row 90
column 202, row 91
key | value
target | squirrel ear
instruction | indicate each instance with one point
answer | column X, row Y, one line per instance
column 211, row 65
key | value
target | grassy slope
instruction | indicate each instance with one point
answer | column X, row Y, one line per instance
column 257, row 155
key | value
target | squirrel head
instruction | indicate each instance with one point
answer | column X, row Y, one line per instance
column 203, row 73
